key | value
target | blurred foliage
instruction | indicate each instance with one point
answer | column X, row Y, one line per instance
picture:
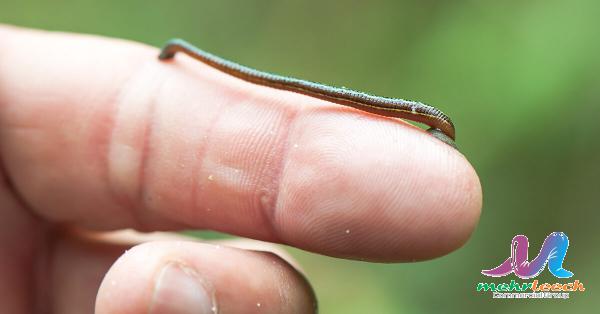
column 520, row 79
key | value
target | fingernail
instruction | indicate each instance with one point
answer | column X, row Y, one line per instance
column 179, row 290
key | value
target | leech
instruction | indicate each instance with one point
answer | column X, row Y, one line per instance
column 441, row 127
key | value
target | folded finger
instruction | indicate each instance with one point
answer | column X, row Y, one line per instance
column 190, row 277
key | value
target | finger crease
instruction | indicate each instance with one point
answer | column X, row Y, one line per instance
column 268, row 198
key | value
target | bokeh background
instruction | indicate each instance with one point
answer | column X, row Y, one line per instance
column 521, row 80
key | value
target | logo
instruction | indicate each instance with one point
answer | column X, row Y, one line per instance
column 552, row 254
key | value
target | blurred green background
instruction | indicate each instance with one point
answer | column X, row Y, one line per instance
column 520, row 79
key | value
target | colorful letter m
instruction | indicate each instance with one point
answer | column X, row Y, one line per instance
column 553, row 253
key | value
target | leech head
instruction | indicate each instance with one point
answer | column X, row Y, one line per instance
column 437, row 133
column 171, row 48
column 165, row 54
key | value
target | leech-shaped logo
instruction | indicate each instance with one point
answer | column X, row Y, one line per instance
column 553, row 253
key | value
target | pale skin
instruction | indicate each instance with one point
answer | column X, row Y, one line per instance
column 97, row 134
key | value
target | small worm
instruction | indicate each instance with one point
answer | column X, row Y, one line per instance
column 440, row 124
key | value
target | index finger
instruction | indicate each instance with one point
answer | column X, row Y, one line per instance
column 100, row 133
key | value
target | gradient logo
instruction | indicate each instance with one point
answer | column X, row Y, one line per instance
column 552, row 253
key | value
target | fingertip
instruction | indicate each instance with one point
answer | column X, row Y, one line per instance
column 375, row 190
column 454, row 215
column 455, row 218
column 190, row 277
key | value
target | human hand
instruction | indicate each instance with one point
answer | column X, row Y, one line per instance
column 96, row 135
